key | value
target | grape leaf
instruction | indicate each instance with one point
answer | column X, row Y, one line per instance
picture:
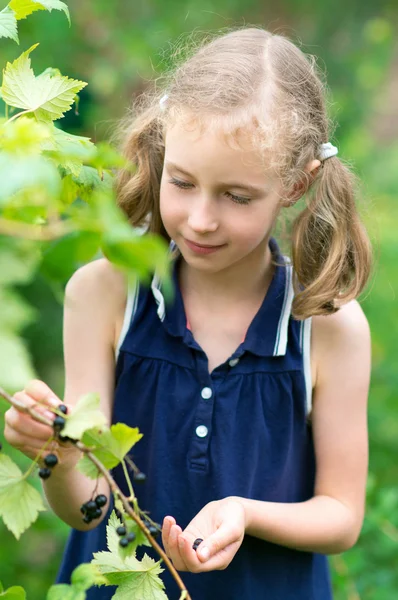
column 112, row 538
column 136, row 579
column 113, row 444
column 85, row 415
column 13, row 593
column 20, row 502
column 24, row 8
column 48, row 96
column 63, row 591
column 8, row 24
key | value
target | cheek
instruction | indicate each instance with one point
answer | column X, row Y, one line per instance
column 171, row 211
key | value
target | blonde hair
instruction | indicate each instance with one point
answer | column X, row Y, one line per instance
column 250, row 80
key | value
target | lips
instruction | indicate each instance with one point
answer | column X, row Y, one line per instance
column 202, row 248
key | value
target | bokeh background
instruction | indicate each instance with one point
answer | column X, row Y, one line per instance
column 118, row 47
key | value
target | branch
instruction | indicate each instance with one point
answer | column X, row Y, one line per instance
column 112, row 484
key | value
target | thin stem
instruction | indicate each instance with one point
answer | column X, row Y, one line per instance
column 38, row 457
column 6, row 114
column 112, row 484
column 132, row 495
column 18, row 115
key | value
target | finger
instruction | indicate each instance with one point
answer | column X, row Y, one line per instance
column 224, row 536
column 167, row 523
column 174, row 551
column 31, row 403
column 41, row 392
column 23, row 424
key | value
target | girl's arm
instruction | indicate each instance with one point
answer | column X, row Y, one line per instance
column 94, row 297
column 331, row 521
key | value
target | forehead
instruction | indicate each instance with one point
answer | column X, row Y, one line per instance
column 215, row 150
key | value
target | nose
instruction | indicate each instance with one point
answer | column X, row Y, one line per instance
column 203, row 215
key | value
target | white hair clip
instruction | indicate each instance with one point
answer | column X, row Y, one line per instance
column 326, row 151
column 162, row 102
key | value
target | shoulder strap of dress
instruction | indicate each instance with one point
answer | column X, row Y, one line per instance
column 306, row 352
column 131, row 307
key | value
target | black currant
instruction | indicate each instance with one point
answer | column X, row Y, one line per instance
column 121, row 530
column 139, row 477
column 118, row 514
column 101, row 500
column 91, row 506
column 97, row 513
column 58, row 423
column 197, row 543
column 153, row 530
column 130, row 536
column 87, row 519
column 83, row 509
column 124, row 542
column 65, row 438
column 63, row 409
column 51, row 460
column 44, row 473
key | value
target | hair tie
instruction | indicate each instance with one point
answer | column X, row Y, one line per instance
column 327, row 151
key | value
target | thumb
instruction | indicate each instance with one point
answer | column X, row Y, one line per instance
column 217, row 541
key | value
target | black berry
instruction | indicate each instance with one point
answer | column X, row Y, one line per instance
column 91, row 506
column 51, row 460
column 65, row 438
column 101, row 500
column 87, row 519
column 63, row 409
column 121, row 531
column 58, row 423
column 118, row 514
column 97, row 513
column 124, row 542
column 83, row 509
column 197, row 543
column 139, row 477
column 153, row 530
column 44, row 473
column 130, row 536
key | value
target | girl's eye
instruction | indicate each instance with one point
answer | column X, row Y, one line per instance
column 238, row 199
column 185, row 185
column 181, row 184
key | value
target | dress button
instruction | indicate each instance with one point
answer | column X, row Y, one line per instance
column 202, row 431
column 206, row 393
column 233, row 362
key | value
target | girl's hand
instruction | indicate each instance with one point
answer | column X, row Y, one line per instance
column 221, row 525
column 28, row 435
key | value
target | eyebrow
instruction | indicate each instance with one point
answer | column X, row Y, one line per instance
column 243, row 186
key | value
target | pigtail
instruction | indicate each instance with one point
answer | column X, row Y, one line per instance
column 137, row 191
column 331, row 251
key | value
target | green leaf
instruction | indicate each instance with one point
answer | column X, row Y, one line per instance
column 15, row 363
column 63, row 591
column 113, row 444
column 13, row 593
column 8, row 24
column 15, row 313
column 18, row 264
column 20, row 173
column 24, row 136
column 48, row 96
column 20, row 503
column 24, row 8
column 85, row 415
column 136, row 579
column 87, row 575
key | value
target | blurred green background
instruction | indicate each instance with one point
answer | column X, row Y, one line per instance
column 117, row 47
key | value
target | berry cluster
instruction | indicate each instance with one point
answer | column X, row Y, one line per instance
column 125, row 536
column 50, row 461
column 59, row 422
column 92, row 509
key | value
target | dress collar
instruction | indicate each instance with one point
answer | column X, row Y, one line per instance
column 268, row 332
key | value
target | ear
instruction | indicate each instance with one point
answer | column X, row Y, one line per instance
column 301, row 187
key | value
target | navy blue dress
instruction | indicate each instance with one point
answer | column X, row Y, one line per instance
column 242, row 430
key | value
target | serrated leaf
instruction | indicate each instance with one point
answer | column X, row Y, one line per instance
column 8, row 24
column 47, row 96
column 13, row 593
column 136, row 579
column 63, row 591
column 20, row 502
column 24, row 8
column 113, row 444
column 85, row 415
column 86, row 575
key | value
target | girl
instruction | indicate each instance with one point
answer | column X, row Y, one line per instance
column 251, row 386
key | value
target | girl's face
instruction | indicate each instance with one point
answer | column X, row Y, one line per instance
column 217, row 203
